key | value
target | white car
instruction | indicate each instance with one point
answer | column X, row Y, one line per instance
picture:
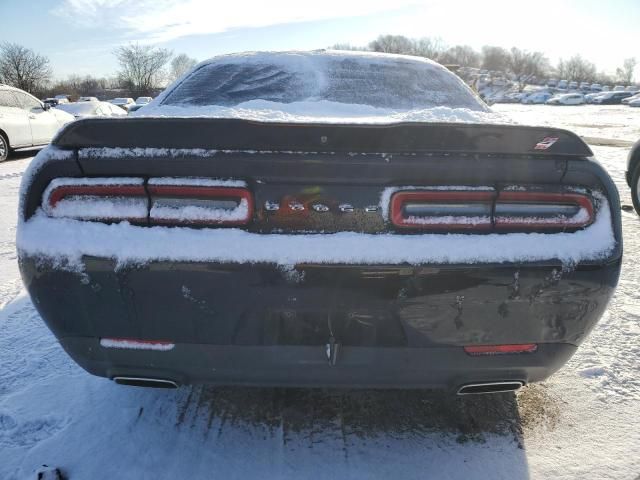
column 92, row 109
column 123, row 102
column 143, row 100
column 633, row 97
column 590, row 97
column 566, row 99
column 537, row 97
column 25, row 121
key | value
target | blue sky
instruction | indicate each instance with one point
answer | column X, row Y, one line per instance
column 79, row 36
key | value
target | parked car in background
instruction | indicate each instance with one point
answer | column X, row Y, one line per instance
column 25, row 121
column 633, row 172
column 596, row 87
column 63, row 96
column 136, row 107
column 634, row 96
column 143, row 100
column 226, row 250
column 611, row 98
column 634, row 103
column 618, row 88
column 537, row 97
column 589, row 97
column 566, row 99
column 88, row 99
column 606, row 88
column 92, row 109
column 552, row 82
column 53, row 102
column 573, row 85
column 123, row 102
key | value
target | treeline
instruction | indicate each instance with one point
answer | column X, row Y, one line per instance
column 514, row 61
column 144, row 70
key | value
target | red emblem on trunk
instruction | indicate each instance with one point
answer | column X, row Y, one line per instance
column 545, row 143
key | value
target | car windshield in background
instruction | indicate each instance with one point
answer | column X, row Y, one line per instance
column 373, row 80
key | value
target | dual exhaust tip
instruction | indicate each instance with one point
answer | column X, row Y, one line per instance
column 145, row 382
column 489, row 387
column 468, row 389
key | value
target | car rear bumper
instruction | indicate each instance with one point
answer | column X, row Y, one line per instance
column 308, row 366
column 261, row 324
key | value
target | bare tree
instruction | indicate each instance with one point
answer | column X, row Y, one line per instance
column 392, row 44
column 526, row 65
column 576, row 69
column 347, row 47
column 625, row 74
column 23, row 68
column 141, row 67
column 429, row 47
column 180, row 65
column 495, row 58
column 462, row 55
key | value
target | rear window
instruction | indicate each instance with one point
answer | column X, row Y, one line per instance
column 394, row 83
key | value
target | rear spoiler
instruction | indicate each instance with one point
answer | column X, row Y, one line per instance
column 238, row 134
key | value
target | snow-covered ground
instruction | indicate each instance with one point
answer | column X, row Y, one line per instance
column 584, row 423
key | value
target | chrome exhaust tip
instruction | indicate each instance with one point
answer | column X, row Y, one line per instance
column 489, row 387
column 145, row 382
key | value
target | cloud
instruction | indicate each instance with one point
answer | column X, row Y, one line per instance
column 164, row 20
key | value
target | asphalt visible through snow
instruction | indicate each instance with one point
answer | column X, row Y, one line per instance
column 582, row 423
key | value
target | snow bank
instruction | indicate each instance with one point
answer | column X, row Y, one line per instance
column 68, row 240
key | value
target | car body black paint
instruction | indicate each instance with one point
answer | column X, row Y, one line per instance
column 263, row 324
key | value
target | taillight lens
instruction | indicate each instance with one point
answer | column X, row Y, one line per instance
column 200, row 205
column 442, row 210
column 521, row 210
column 534, row 210
column 106, row 199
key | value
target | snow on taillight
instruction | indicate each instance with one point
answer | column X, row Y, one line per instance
column 442, row 209
column 534, row 210
column 107, row 199
column 199, row 202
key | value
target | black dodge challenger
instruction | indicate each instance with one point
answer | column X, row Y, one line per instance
column 319, row 219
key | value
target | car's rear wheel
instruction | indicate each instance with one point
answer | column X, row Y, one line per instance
column 635, row 187
column 4, row 148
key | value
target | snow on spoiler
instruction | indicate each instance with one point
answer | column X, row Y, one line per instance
column 238, row 134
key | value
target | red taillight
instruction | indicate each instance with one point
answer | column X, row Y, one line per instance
column 524, row 209
column 105, row 199
column 166, row 201
column 501, row 349
column 200, row 205
column 529, row 210
column 442, row 209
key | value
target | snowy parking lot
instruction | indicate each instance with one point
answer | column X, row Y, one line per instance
column 583, row 423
